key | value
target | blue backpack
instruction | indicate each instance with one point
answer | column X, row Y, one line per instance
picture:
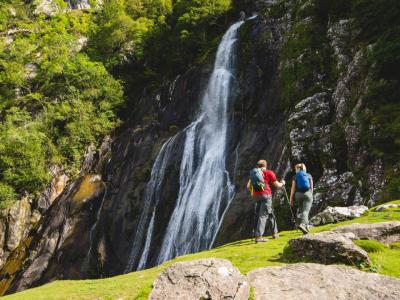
column 257, row 180
column 302, row 181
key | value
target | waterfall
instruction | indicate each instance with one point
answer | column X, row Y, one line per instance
column 150, row 201
column 205, row 188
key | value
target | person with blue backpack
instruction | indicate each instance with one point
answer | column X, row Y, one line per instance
column 302, row 191
column 260, row 186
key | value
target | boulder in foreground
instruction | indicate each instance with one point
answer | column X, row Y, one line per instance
column 201, row 279
column 329, row 248
column 336, row 246
column 314, row 281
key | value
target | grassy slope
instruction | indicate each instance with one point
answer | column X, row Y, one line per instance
column 244, row 254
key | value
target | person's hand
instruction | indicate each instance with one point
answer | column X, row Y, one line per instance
column 283, row 182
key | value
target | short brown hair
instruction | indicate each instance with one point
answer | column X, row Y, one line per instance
column 262, row 163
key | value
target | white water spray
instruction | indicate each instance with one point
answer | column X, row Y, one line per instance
column 205, row 188
column 151, row 199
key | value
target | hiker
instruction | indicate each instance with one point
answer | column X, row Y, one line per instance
column 302, row 191
column 260, row 183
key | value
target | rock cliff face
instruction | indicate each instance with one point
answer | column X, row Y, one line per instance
column 52, row 7
column 18, row 220
column 90, row 229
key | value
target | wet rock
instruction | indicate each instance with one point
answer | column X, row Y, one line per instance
column 338, row 214
column 58, row 242
column 315, row 282
column 384, row 207
column 329, row 248
column 201, row 279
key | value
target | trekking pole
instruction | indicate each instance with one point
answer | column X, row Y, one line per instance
column 290, row 207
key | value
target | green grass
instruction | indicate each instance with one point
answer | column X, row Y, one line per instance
column 245, row 255
column 371, row 246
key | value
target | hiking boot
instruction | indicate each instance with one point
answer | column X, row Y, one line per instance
column 276, row 235
column 261, row 240
column 303, row 228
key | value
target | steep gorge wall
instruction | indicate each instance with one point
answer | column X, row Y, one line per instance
column 94, row 239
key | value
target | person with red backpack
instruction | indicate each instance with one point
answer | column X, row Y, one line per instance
column 260, row 185
column 302, row 191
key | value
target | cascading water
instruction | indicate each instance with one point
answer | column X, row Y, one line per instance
column 151, row 199
column 205, row 188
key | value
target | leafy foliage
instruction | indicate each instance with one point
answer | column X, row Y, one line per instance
column 164, row 37
column 57, row 94
column 54, row 100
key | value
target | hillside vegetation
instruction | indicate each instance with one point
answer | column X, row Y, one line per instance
column 245, row 255
column 59, row 88
column 374, row 31
column 63, row 77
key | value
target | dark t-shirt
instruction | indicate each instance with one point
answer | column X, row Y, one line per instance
column 269, row 178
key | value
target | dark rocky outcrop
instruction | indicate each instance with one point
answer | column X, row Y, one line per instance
column 314, row 282
column 201, row 279
column 17, row 220
column 53, row 247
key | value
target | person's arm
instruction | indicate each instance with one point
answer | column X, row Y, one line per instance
column 278, row 184
column 292, row 191
column 248, row 185
column 311, row 184
column 274, row 181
